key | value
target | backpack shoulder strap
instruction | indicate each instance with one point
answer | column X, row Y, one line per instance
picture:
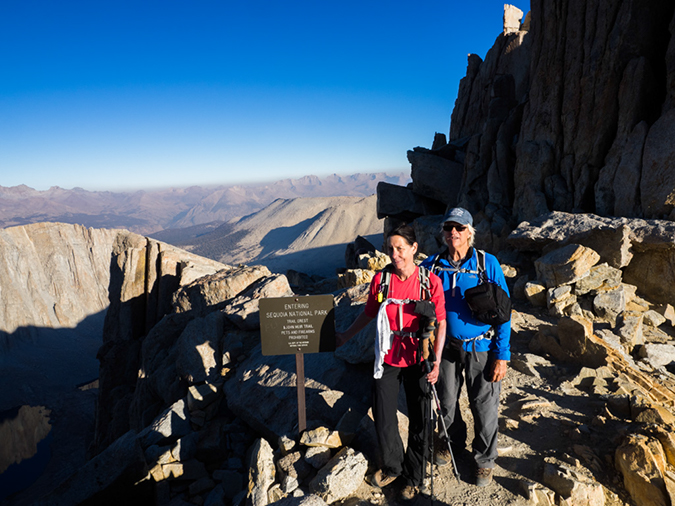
column 481, row 260
column 434, row 263
column 385, row 279
column 436, row 267
column 425, row 283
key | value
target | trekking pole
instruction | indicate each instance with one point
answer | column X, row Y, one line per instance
column 432, row 420
column 426, row 309
column 427, row 436
column 440, row 416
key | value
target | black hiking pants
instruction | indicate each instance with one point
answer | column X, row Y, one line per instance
column 395, row 461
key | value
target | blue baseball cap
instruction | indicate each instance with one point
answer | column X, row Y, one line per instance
column 459, row 215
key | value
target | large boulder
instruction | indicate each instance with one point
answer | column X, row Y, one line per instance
column 565, row 265
column 653, row 272
column 403, row 203
column 341, row 477
column 263, row 392
column 641, row 461
column 434, row 176
column 243, row 309
column 216, row 288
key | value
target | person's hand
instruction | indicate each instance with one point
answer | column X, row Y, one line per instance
column 432, row 376
column 498, row 370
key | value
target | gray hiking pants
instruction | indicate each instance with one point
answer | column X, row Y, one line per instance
column 483, row 395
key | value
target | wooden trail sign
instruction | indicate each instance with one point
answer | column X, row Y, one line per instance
column 294, row 326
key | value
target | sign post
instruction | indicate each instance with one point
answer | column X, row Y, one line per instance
column 297, row 325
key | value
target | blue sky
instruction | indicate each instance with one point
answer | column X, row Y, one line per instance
column 118, row 95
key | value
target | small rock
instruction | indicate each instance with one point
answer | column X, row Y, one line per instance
column 286, row 445
column 341, row 476
column 535, row 292
column 321, row 436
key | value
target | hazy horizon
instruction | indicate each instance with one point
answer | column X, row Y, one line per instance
column 261, row 182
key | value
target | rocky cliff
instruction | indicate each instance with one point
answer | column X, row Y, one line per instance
column 573, row 110
column 54, row 292
column 53, row 275
column 144, row 274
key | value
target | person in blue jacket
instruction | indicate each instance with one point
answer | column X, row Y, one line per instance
column 474, row 352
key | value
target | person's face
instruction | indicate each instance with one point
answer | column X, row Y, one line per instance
column 456, row 236
column 401, row 253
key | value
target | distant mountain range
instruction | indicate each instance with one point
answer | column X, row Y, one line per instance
column 304, row 234
column 201, row 209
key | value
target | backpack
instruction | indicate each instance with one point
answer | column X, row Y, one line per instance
column 488, row 301
column 385, row 279
column 424, row 307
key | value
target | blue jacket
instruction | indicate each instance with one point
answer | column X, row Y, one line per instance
column 461, row 324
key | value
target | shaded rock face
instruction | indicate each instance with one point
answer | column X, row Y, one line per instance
column 596, row 73
column 21, row 432
column 144, row 275
column 571, row 111
column 54, row 281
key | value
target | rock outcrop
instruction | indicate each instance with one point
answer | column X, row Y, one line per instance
column 572, row 110
column 144, row 275
column 643, row 249
column 53, row 275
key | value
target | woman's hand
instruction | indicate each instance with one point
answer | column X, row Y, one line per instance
column 432, row 376
column 342, row 337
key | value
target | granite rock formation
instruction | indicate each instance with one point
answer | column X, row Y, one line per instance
column 572, row 111
column 52, row 275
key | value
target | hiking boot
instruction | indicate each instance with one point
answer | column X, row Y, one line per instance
column 442, row 456
column 381, row 479
column 441, row 453
column 409, row 492
column 483, row 476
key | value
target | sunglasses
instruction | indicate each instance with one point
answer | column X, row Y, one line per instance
column 449, row 226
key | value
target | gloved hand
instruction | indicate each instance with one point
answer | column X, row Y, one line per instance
column 425, row 308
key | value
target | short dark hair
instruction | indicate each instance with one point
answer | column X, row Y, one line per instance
column 405, row 231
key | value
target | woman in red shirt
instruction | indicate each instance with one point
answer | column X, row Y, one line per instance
column 398, row 359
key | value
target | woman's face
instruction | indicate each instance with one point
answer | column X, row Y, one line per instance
column 456, row 236
column 401, row 253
